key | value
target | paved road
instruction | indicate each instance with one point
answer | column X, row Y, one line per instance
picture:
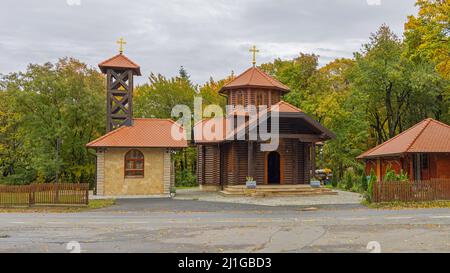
column 164, row 225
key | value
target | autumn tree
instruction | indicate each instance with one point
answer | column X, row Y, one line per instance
column 60, row 108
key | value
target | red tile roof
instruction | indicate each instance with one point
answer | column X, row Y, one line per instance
column 220, row 136
column 428, row 136
column 284, row 107
column 254, row 77
column 143, row 133
column 120, row 61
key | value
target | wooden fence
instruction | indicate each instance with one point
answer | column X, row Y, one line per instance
column 425, row 190
column 44, row 194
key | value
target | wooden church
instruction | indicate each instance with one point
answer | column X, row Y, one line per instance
column 225, row 161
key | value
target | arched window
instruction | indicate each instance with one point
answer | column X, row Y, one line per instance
column 134, row 164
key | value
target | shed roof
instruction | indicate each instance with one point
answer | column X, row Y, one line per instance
column 428, row 136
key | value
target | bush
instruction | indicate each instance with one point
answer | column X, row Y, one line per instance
column 390, row 175
column 364, row 182
column 185, row 179
column 348, row 181
column 23, row 178
column 334, row 182
column 372, row 181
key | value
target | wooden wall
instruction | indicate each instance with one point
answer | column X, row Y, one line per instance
column 252, row 96
column 294, row 160
column 208, row 165
column 438, row 166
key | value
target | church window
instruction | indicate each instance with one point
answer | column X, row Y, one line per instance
column 134, row 164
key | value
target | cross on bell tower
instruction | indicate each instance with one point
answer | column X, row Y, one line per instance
column 119, row 72
column 121, row 42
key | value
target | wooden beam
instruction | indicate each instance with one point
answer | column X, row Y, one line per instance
column 303, row 137
column 250, row 161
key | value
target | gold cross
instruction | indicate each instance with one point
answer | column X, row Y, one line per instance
column 121, row 42
column 254, row 51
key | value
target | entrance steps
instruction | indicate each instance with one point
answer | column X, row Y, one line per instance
column 276, row 190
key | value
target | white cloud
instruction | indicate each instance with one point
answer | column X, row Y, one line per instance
column 209, row 38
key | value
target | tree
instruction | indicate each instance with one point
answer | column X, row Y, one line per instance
column 427, row 38
column 57, row 103
column 428, row 34
column 160, row 95
column 393, row 85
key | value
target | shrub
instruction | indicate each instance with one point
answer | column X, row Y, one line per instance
column 364, row 182
column 348, row 180
column 22, row 178
column 372, row 181
column 390, row 175
column 334, row 182
column 185, row 178
column 402, row 176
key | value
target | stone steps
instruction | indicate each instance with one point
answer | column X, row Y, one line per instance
column 278, row 190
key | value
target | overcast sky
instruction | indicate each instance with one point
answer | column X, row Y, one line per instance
column 208, row 37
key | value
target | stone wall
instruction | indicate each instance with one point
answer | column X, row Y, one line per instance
column 156, row 180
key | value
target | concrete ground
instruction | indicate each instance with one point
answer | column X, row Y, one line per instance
column 166, row 225
column 341, row 198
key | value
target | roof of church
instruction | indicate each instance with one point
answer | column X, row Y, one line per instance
column 144, row 133
column 220, row 123
column 284, row 107
column 120, row 61
column 254, row 77
column 428, row 136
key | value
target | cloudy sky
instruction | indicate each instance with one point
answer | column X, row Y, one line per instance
column 207, row 37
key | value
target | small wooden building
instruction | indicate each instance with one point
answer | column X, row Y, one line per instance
column 423, row 152
column 225, row 161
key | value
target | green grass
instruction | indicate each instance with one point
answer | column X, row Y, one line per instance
column 407, row 205
column 186, row 187
column 93, row 204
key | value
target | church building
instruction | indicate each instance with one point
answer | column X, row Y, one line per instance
column 134, row 157
column 225, row 161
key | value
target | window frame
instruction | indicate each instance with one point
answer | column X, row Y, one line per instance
column 134, row 160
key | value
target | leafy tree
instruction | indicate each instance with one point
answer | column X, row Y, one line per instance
column 427, row 39
column 160, row 95
column 428, row 34
column 57, row 103
column 394, row 86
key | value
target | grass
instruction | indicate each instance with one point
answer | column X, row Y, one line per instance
column 407, row 205
column 186, row 187
column 93, row 204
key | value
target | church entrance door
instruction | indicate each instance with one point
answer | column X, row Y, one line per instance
column 273, row 168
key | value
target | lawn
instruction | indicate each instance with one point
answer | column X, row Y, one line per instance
column 93, row 204
column 408, row 205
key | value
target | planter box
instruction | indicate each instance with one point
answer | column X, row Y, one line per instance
column 315, row 183
column 250, row 184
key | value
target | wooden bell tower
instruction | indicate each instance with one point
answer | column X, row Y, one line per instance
column 119, row 72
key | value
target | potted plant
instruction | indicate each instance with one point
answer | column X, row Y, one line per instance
column 250, row 182
column 173, row 191
column 315, row 183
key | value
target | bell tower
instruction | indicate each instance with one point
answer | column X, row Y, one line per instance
column 119, row 72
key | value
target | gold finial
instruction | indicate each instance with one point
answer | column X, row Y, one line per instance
column 121, row 42
column 254, row 51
